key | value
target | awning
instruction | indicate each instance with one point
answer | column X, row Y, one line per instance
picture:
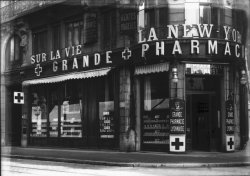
column 155, row 68
column 75, row 75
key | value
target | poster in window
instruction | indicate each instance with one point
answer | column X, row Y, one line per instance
column 90, row 28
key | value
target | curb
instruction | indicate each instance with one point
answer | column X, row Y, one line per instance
column 122, row 164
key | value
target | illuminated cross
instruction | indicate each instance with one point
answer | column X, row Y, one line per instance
column 38, row 70
column 126, row 54
column 177, row 143
column 230, row 143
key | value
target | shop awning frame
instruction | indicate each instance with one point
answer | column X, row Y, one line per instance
column 70, row 76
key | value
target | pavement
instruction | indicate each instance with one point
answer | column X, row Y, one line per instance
column 131, row 159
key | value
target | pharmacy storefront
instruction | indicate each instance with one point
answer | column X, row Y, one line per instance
column 186, row 93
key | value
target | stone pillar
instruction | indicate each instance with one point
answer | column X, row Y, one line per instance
column 127, row 133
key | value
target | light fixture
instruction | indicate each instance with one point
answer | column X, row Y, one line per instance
column 174, row 74
column 243, row 79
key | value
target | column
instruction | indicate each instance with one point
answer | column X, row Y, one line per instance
column 127, row 133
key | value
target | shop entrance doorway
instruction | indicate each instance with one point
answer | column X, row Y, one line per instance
column 203, row 113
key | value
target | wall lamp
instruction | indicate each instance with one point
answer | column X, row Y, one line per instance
column 174, row 74
column 243, row 79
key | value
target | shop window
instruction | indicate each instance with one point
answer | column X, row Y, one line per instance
column 56, row 35
column 13, row 50
column 106, row 109
column 71, row 121
column 40, row 42
column 109, row 29
column 38, row 113
column 74, row 33
column 155, row 125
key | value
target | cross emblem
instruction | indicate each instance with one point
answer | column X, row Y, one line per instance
column 38, row 70
column 230, row 143
column 18, row 98
column 177, row 143
column 126, row 54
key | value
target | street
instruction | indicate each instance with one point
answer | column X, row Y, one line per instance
column 21, row 167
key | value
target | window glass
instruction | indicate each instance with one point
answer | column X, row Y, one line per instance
column 155, row 117
column 191, row 13
column 13, row 50
column 53, row 113
column 56, row 33
column 38, row 113
column 109, row 31
column 40, row 42
column 106, row 109
column 74, row 31
column 71, row 118
column 156, row 92
column 205, row 14
column 71, row 111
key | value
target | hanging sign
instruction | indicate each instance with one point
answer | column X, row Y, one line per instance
column 177, row 116
column 229, row 117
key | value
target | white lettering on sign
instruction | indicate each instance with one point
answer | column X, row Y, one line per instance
column 176, row 114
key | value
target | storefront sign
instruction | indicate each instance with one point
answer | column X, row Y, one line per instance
column 177, row 116
column 128, row 21
column 107, row 125
column 150, row 48
column 229, row 117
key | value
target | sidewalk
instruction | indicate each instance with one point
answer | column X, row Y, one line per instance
column 132, row 159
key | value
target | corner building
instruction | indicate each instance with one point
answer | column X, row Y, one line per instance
column 163, row 75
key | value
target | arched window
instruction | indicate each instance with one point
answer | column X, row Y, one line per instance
column 13, row 50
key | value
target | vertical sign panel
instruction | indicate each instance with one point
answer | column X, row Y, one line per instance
column 177, row 116
column 177, row 126
column 229, row 117
column 229, row 125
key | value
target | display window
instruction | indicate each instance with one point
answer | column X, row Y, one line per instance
column 155, row 128
column 38, row 113
column 71, row 121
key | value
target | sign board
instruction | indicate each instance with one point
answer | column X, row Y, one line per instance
column 18, row 98
column 229, row 117
column 177, row 116
column 230, row 143
column 177, row 143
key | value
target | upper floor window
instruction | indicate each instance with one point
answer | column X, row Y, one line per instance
column 74, row 33
column 56, row 35
column 109, row 29
column 40, row 42
column 13, row 49
column 197, row 12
